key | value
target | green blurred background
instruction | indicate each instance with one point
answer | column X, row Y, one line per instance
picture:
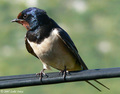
column 94, row 26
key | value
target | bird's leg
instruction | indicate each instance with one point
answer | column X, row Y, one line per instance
column 41, row 74
column 64, row 73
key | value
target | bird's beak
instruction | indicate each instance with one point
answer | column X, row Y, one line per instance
column 17, row 20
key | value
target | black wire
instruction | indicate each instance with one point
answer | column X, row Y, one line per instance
column 54, row 78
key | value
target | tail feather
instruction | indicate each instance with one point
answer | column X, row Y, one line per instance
column 86, row 68
column 102, row 84
column 93, row 85
column 98, row 83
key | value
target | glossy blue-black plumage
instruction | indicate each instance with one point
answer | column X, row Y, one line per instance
column 35, row 17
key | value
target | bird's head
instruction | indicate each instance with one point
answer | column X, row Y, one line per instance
column 31, row 18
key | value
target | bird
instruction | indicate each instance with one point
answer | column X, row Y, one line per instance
column 47, row 41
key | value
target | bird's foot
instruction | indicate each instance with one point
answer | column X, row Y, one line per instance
column 41, row 74
column 64, row 73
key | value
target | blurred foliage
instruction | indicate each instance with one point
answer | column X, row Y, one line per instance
column 94, row 26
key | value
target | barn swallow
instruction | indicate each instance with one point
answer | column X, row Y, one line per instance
column 47, row 41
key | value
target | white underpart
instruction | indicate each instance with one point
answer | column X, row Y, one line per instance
column 44, row 48
column 53, row 52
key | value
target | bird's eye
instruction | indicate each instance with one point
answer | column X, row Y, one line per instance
column 25, row 16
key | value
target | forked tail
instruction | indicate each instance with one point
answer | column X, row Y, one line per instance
column 98, row 83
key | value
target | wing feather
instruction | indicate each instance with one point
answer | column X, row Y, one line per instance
column 29, row 48
column 69, row 43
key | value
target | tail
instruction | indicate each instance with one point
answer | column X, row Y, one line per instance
column 98, row 83
column 102, row 84
column 86, row 68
